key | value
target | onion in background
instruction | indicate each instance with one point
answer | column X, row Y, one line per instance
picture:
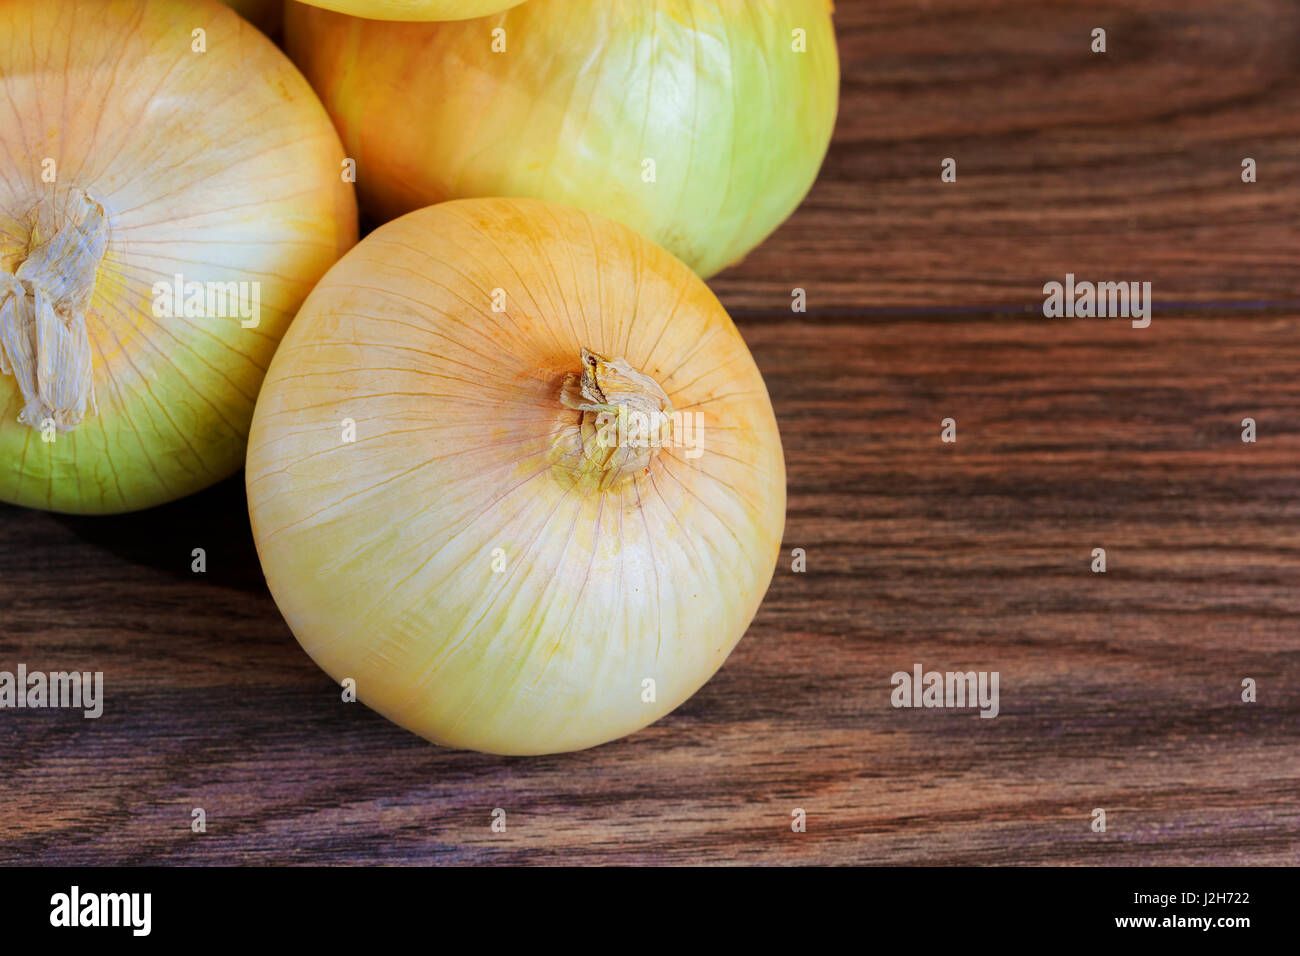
column 438, row 515
column 700, row 124
column 131, row 158
column 415, row 9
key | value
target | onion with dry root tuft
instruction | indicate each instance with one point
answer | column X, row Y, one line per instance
column 171, row 191
column 514, row 472
column 701, row 125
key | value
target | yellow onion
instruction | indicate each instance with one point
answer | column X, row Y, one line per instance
column 152, row 147
column 447, row 510
column 416, row 9
column 701, row 125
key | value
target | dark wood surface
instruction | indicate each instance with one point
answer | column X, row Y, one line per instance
column 1118, row 690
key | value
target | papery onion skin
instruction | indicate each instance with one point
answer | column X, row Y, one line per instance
column 416, row 9
column 380, row 551
column 220, row 166
column 586, row 92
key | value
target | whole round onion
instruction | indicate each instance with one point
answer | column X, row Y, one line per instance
column 132, row 158
column 701, row 125
column 448, row 511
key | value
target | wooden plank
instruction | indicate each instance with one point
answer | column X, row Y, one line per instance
column 1123, row 164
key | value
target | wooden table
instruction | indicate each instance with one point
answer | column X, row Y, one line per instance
column 1119, row 690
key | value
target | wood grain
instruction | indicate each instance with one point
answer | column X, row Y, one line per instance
column 1118, row 690
column 1126, row 164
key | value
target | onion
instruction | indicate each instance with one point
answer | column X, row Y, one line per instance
column 416, row 9
column 131, row 159
column 447, row 511
column 700, row 125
